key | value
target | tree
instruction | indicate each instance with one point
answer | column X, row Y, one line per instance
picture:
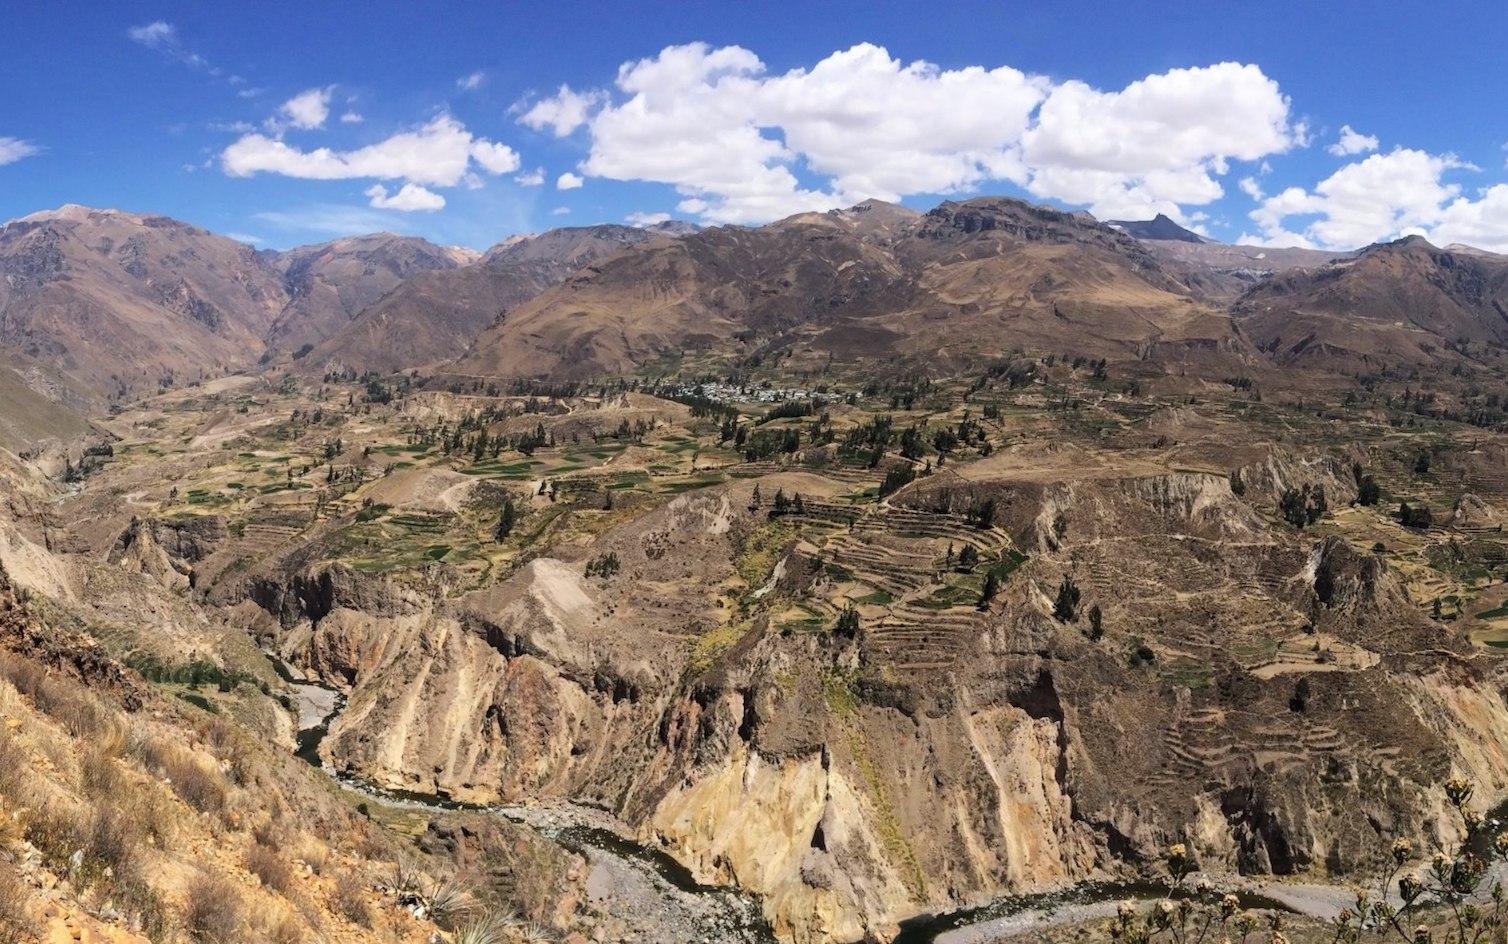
column 988, row 591
column 506, row 519
column 781, row 505
column 1096, row 623
column 1302, row 507
column 604, row 565
column 848, row 623
column 1414, row 516
column 1368, row 492
column 968, row 558
column 1066, row 608
column 895, row 478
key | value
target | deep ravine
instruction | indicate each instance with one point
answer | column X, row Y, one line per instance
column 658, row 901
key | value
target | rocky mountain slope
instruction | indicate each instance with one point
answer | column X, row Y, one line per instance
column 1158, row 229
column 119, row 301
column 329, row 284
column 1405, row 302
column 944, row 557
column 433, row 317
column 959, row 283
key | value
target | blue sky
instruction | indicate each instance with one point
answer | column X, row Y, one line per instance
column 243, row 118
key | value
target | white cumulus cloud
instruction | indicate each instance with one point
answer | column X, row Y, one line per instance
column 563, row 112
column 533, row 178
column 351, row 118
column 472, row 82
column 438, row 154
column 735, row 140
column 409, row 197
column 14, row 149
column 1352, row 142
column 154, row 35
column 646, row 219
column 308, row 109
column 1158, row 143
column 569, row 181
column 1383, row 197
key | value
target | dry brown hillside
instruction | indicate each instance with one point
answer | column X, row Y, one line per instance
column 331, row 283
column 965, row 282
column 120, row 301
column 433, row 317
column 1396, row 304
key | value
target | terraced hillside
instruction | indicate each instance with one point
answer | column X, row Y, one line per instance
column 862, row 648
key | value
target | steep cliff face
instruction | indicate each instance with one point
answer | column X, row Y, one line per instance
column 1266, row 696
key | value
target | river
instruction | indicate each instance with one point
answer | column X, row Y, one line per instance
column 653, row 899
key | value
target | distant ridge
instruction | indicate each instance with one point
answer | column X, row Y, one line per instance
column 1159, row 227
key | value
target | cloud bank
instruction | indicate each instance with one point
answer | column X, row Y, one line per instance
column 743, row 145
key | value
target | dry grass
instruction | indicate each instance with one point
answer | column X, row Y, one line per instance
column 213, row 912
column 66, row 703
column 270, row 867
column 14, row 761
column 15, row 925
column 112, row 840
column 199, row 786
column 349, row 898
column 316, row 855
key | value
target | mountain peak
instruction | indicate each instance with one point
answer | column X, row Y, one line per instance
column 1159, row 227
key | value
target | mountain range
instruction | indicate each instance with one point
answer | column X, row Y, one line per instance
column 100, row 305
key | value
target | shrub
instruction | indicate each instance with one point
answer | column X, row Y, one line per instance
column 449, row 901
column 67, row 704
column 268, row 866
column 15, row 923
column 135, row 898
column 99, row 775
column 197, row 785
column 349, row 899
column 56, row 831
column 112, row 840
column 213, row 911
column 1066, row 608
column 13, row 766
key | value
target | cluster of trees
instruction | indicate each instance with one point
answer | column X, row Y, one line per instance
column 981, row 514
column 603, row 565
column 507, row 518
column 847, row 625
column 1367, row 490
column 766, row 443
column 786, row 505
column 896, row 478
column 790, row 410
column 1302, row 506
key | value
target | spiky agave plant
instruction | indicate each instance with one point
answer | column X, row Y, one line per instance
column 406, row 884
column 448, row 902
column 487, row 929
column 537, row 934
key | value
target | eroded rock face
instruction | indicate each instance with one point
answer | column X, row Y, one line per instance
column 1281, row 703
